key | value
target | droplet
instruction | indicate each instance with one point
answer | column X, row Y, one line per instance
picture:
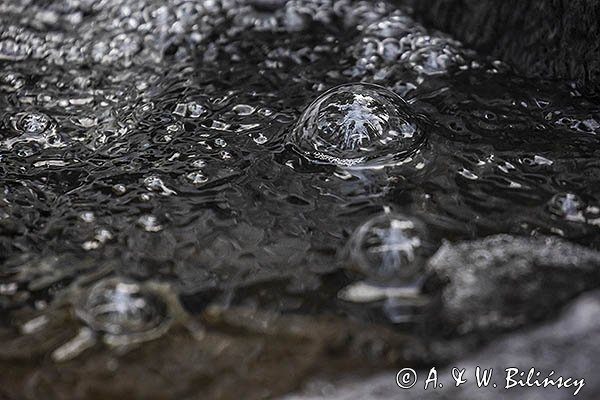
column 127, row 311
column 388, row 246
column 358, row 124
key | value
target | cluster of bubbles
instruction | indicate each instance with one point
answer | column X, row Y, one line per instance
column 397, row 41
column 120, row 33
column 299, row 15
column 147, row 31
column 357, row 125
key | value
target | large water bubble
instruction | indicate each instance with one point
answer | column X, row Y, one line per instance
column 125, row 311
column 388, row 246
column 358, row 124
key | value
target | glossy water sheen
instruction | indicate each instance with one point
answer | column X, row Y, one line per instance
column 208, row 145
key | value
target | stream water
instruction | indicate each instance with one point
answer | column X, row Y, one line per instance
column 195, row 192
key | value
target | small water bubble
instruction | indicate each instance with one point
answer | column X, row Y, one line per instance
column 243, row 109
column 220, row 125
column 180, row 109
column 119, row 189
column 388, row 246
column 33, row 123
column 196, row 110
column 199, row 163
column 30, row 131
column 358, row 123
column 174, row 128
column 225, row 155
column 197, row 177
column 260, row 139
column 154, row 184
column 266, row 112
column 125, row 310
column 103, row 235
column 568, row 206
column 90, row 245
column 220, row 142
column 149, row 223
column 87, row 216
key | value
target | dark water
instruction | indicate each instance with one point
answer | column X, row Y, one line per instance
column 168, row 213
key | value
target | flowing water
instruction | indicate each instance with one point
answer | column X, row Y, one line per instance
column 192, row 191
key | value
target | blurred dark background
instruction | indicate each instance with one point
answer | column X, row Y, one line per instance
column 547, row 38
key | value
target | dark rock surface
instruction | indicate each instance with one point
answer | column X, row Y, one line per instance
column 503, row 281
column 548, row 38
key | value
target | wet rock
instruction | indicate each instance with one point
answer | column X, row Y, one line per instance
column 502, row 282
column 566, row 345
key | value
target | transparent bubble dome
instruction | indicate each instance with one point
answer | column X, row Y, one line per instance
column 388, row 246
column 358, row 124
column 29, row 123
column 123, row 308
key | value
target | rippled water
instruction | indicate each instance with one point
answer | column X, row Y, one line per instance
column 209, row 147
